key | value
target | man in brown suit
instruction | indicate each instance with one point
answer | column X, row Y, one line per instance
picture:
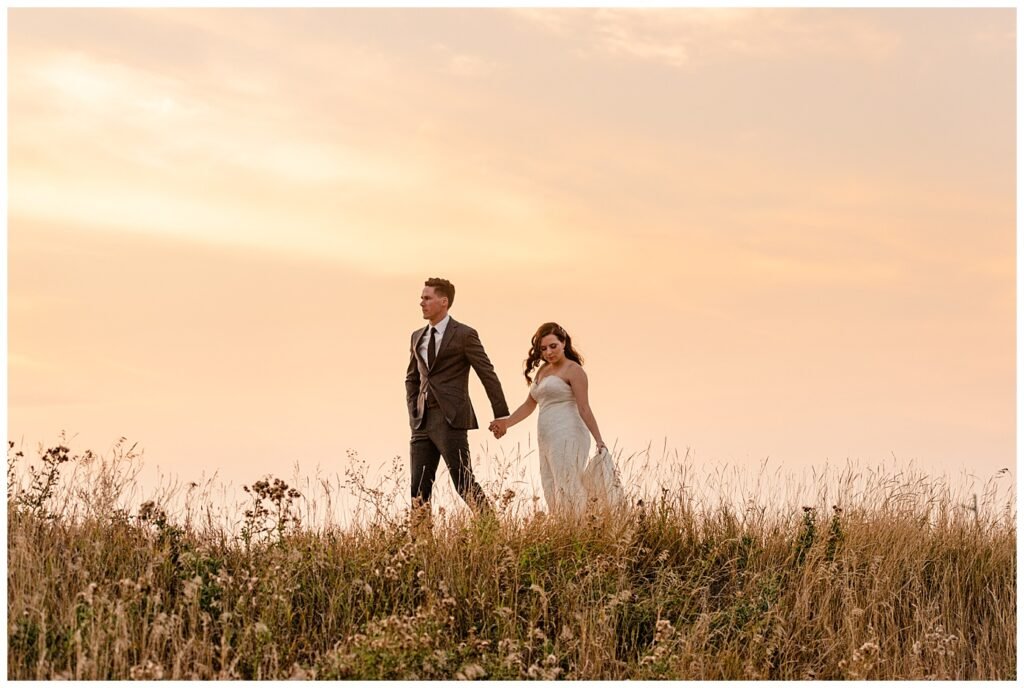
column 437, row 393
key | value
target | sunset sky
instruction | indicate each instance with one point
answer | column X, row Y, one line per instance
column 771, row 233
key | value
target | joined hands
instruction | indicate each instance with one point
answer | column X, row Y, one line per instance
column 499, row 428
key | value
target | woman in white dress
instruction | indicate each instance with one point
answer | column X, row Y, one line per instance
column 565, row 421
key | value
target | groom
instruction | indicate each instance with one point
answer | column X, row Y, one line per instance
column 437, row 394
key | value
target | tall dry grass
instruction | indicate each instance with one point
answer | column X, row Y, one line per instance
column 895, row 579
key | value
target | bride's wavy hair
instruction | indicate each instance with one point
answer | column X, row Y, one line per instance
column 533, row 360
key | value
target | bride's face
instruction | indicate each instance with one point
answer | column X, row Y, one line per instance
column 551, row 349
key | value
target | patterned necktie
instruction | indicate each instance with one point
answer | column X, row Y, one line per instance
column 430, row 349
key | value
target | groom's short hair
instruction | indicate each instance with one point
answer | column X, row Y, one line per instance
column 442, row 287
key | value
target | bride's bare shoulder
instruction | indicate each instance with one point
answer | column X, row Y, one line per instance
column 575, row 370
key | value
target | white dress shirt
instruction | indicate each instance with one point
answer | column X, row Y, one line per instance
column 425, row 341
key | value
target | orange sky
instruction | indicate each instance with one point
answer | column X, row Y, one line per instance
column 772, row 233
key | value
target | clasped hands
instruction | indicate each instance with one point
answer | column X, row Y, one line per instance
column 498, row 427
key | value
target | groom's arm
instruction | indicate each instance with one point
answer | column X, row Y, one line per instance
column 412, row 381
column 485, row 371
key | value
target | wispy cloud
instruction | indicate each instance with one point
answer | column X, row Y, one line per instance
column 683, row 38
column 239, row 156
column 463, row 64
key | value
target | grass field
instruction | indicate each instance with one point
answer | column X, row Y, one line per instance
column 902, row 580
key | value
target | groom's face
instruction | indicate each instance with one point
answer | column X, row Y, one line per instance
column 433, row 305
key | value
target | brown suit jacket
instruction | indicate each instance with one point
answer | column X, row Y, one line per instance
column 448, row 380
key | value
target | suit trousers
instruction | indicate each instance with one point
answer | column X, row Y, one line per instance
column 432, row 440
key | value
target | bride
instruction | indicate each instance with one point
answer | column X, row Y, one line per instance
column 564, row 425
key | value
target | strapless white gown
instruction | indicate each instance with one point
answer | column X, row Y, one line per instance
column 563, row 442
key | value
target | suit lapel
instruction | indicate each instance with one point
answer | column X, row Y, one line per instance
column 416, row 346
column 449, row 333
